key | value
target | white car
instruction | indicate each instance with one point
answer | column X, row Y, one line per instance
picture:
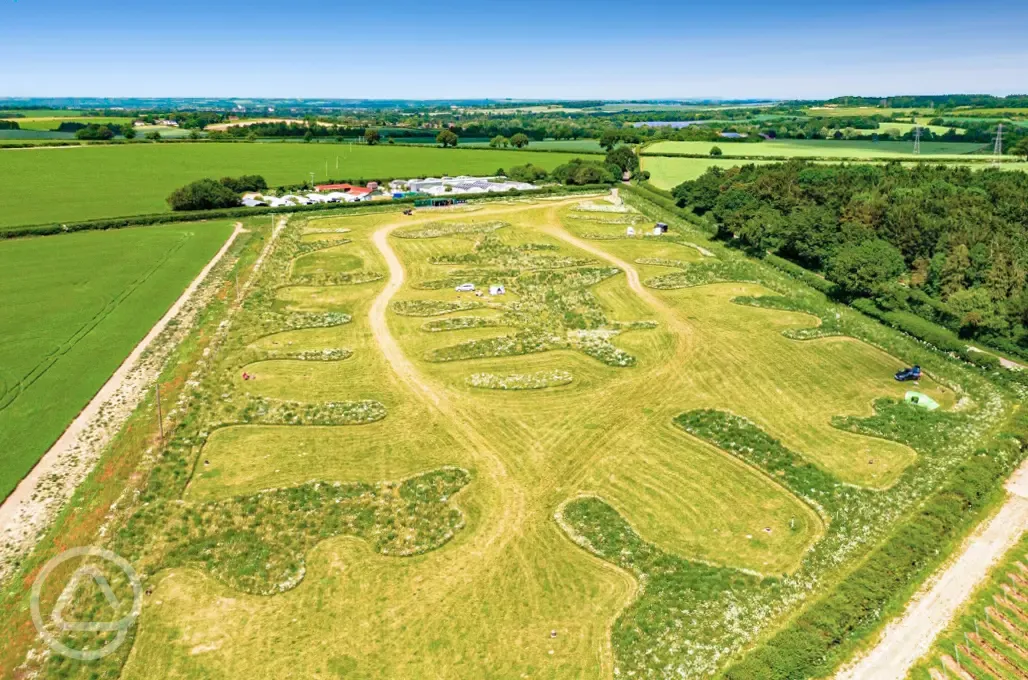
column 465, row 288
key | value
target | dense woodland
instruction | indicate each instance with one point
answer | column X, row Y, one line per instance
column 947, row 243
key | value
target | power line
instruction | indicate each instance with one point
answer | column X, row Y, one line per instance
column 917, row 139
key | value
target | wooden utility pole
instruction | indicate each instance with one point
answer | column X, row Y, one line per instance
column 160, row 417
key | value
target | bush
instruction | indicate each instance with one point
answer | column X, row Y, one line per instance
column 716, row 151
column 91, row 131
column 245, row 183
column 526, row 173
column 204, row 194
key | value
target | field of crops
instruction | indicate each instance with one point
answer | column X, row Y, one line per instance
column 491, row 478
column 988, row 640
column 795, row 148
column 81, row 183
column 101, row 292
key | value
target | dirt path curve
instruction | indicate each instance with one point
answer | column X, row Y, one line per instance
column 512, row 513
column 910, row 637
column 514, row 507
column 30, row 508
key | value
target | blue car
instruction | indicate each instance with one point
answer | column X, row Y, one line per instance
column 913, row 373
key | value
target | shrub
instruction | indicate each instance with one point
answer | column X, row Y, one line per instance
column 716, row 151
column 91, row 131
column 204, row 194
column 245, row 183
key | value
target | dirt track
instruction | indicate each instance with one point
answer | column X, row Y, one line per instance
column 30, row 508
column 910, row 637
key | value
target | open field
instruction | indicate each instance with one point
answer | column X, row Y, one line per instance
column 863, row 111
column 47, row 123
column 414, row 472
column 102, row 292
column 40, row 113
column 795, row 148
column 110, row 181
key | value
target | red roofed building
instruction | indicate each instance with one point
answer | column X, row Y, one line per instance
column 348, row 188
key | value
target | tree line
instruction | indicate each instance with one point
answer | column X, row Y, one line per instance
column 946, row 243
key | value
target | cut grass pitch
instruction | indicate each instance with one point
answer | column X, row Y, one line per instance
column 112, row 181
column 101, row 292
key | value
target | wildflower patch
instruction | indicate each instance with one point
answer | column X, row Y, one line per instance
column 520, row 381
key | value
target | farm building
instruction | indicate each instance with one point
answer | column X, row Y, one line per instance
column 436, row 186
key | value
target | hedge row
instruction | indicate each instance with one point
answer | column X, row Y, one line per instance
column 663, row 200
column 805, row 275
column 817, row 641
column 926, row 331
column 199, row 215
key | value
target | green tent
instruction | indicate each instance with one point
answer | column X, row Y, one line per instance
column 922, row 400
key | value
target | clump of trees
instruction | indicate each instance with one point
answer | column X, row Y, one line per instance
column 447, row 138
column 623, row 158
column 519, row 141
column 372, row 136
column 499, row 142
column 210, row 194
column 9, row 125
column 526, row 173
column 946, row 243
column 95, row 132
column 578, row 172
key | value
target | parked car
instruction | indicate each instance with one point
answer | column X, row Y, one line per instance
column 465, row 288
column 913, row 373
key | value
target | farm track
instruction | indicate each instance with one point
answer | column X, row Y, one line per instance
column 909, row 638
column 28, row 511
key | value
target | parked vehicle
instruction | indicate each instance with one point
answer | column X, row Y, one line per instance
column 465, row 288
column 912, row 373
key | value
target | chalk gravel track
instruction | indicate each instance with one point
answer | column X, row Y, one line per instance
column 910, row 637
column 32, row 506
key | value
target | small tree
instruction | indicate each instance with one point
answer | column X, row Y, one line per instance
column 128, row 131
column 372, row 136
column 447, row 138
column 194, row 134
column 251, row 136
column 519, row 141
column 624, row 158
column 308, row 136
column 153, row 136
column 499, row 141
column 716, row 151
column 1021, row 148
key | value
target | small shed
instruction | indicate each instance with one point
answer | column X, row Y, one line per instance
column 497, row 289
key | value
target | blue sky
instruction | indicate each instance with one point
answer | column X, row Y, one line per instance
column 527, row 49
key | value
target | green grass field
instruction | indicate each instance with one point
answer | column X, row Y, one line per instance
column 862, row 111
column 74, row 307
column 795, row 148
column 40, row 113
column 695, row 329
column 82, row 183
column 47, row 123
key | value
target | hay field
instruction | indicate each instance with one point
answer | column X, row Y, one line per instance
column 101, row 292
column 818, row 148
column 90, row 182
column 362, row 309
